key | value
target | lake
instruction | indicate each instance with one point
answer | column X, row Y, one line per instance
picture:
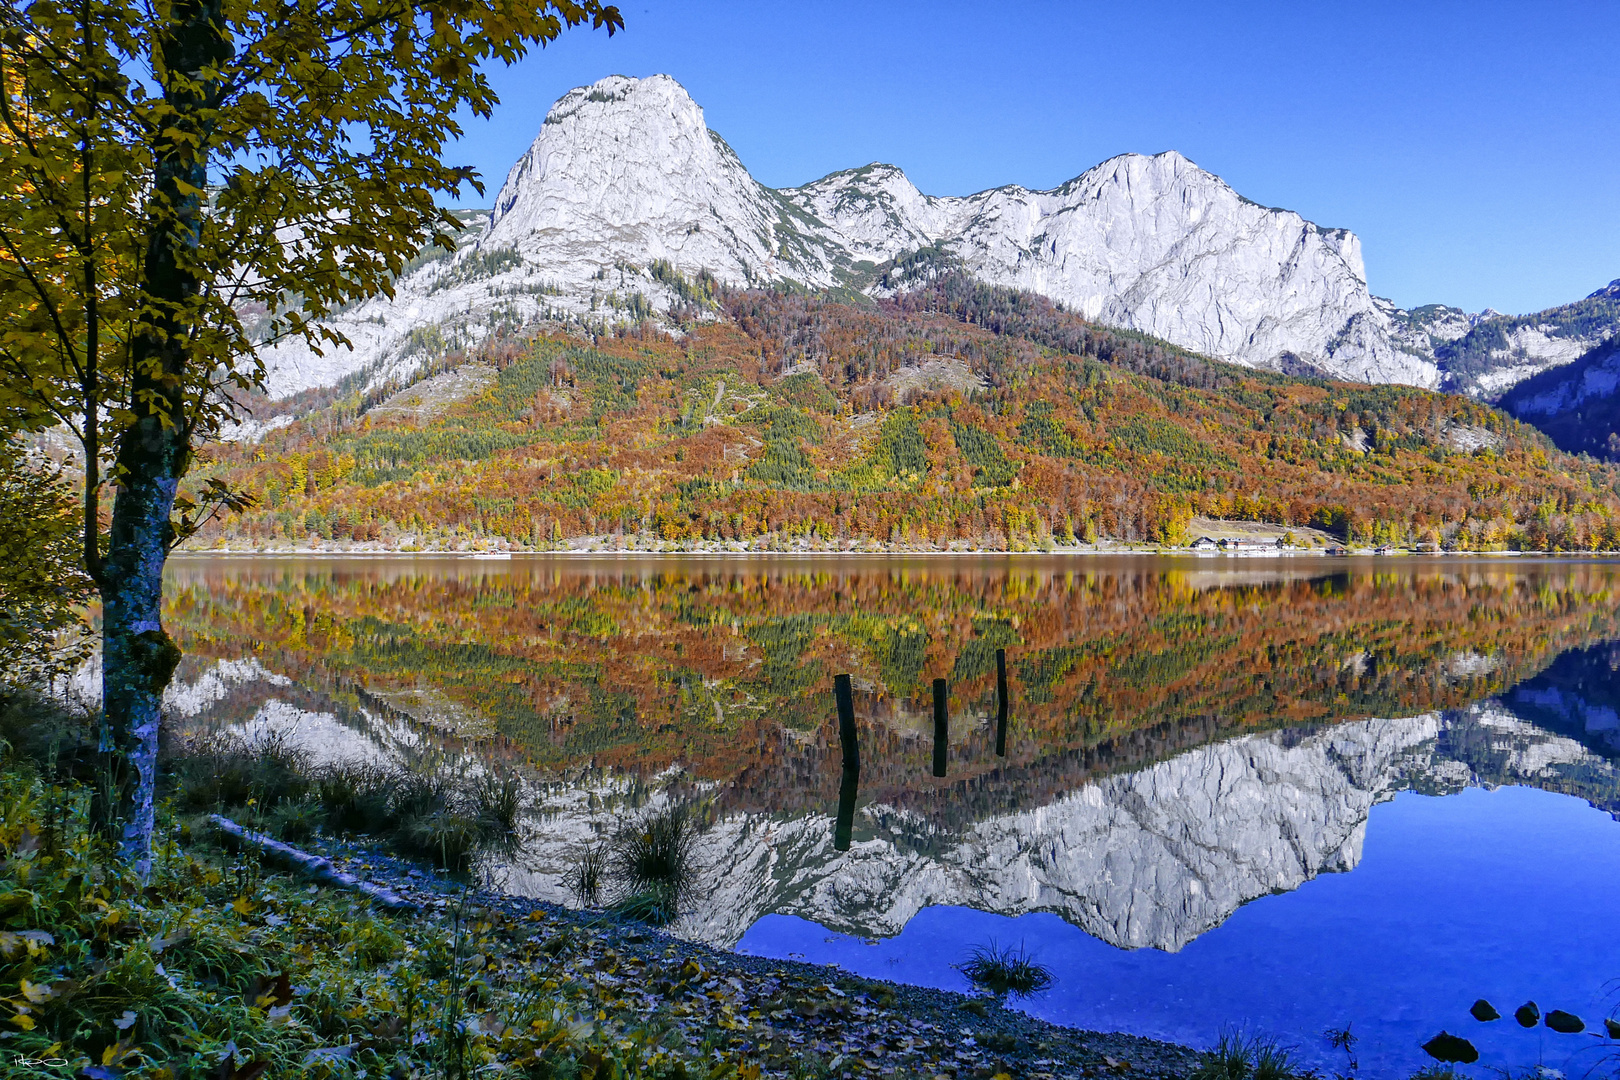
column 1268, row 795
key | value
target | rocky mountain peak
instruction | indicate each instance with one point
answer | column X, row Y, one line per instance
column 625, row 191
column 626, row 170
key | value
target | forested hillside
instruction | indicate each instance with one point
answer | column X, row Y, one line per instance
column 954, row 415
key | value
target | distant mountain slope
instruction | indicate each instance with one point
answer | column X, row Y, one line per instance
column 1501, row 351
column 1576, row 405
column 625, row 191
column 1577, row 696
column 957, row 414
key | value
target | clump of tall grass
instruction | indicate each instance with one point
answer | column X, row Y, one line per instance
column 56, row 736
column 432, row 817
column 589, row 876
column 654, row 860
column 497, row 800
column 1007, row 971
column 356, row 796
column 218, row 771
column 270, row 784
column 1257, row 1057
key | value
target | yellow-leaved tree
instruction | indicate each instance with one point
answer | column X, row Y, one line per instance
column 168, row 166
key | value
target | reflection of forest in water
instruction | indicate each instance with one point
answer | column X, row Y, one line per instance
column 727, row 668
column 1132, row 681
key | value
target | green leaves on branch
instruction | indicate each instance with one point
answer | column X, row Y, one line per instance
column 278, row 161
column 42, row 593
column 192, row 514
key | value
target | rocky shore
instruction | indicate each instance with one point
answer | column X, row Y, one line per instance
column 784, row 1017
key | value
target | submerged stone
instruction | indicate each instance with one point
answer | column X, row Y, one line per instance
column 1565, row 1023
column 1448, row 1047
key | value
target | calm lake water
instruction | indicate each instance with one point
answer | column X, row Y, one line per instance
column 1268, row 795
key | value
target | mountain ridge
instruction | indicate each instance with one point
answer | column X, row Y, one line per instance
column 624, row 176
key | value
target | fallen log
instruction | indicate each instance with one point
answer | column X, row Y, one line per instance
column 319, row 869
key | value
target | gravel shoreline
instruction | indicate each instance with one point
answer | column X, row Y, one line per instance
column 837, row 1023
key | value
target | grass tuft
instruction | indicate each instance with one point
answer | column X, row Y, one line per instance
column 354, row 796
column 215, row 772
column 654, row 859
column 499, row 799
column 1234, row 1057
column 589, row 873
column 1007, row 971
column 652, row 908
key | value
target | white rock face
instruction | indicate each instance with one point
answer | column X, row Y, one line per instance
column 625, row 173
column 1159, row 245
column 1149, row 859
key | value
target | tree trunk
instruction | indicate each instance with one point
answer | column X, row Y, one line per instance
column 138, row 657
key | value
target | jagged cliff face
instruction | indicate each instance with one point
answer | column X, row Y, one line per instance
column 1578, row 405
column 1150, row 859
column 625, row 175
column 1593, row 381
column 626, row 171
column 1159, row 245
column 1500, row 352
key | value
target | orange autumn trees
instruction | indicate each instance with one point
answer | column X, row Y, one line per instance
column 954, row 415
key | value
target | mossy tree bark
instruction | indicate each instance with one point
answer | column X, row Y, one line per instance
column 138, row 657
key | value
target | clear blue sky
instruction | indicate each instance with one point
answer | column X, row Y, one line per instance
column 1475, row 147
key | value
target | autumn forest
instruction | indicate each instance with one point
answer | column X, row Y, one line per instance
column 952, row 416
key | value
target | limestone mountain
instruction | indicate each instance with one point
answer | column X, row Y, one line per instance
column 625, row 198
column 1498, row 352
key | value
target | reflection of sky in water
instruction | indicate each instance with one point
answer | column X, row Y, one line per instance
column 1506, row 894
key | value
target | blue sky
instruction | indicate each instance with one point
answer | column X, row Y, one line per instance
column 1475, row 147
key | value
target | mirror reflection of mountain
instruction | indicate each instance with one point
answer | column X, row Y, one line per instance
column 1150, row 858
column 1182, row 742
column 1578, row 695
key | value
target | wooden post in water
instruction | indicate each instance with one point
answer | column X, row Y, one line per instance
column 848, row 787
column 846, row 722
column 1001, row 703
column 942, row 726
column 850, row 784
